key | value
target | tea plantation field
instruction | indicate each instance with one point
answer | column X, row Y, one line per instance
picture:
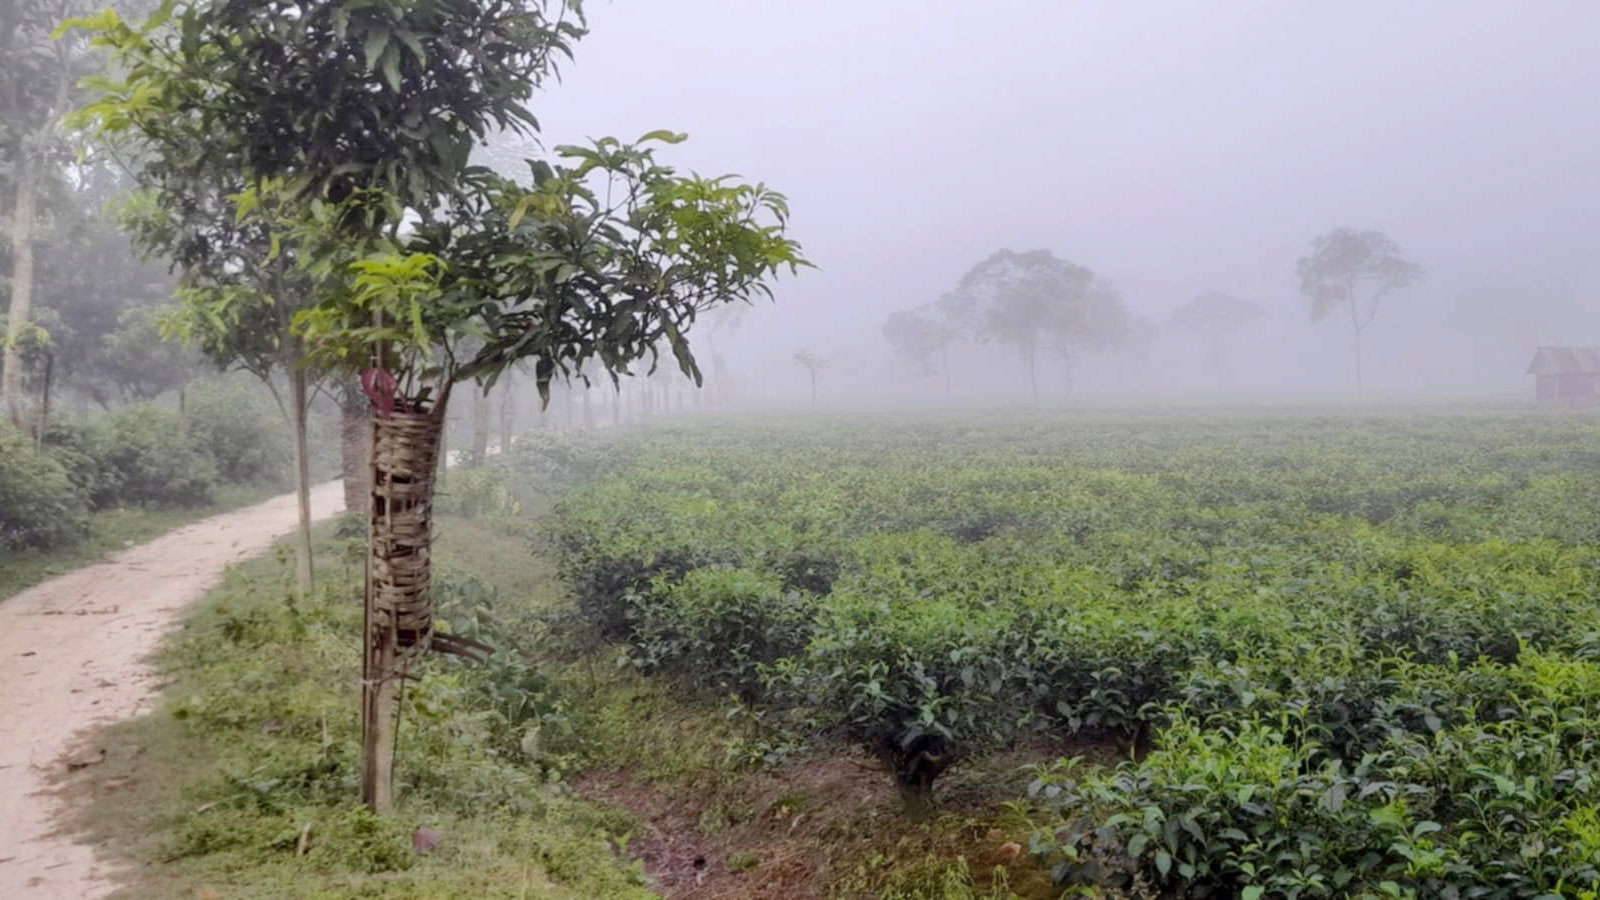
column 1346, row 655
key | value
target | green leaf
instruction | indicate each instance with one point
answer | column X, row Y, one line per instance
column 377, row 42
column 412, row 44
column 1253, row 892
column 1163, row 862
column 1333, row 798
column 190, row 44
column 664, row 136
column 244, row 203
column 99, row 22
column 391, row 68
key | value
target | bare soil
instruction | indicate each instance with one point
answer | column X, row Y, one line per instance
column 794, row 833
column 73, row 655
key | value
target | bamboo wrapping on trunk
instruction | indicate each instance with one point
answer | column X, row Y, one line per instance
column 405, row 457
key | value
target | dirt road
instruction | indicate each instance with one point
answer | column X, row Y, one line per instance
column 72, row 654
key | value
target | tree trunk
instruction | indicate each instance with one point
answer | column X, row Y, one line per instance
column 21, row 290
column 398, row 604
column 299, row 397
column 813, row 392
column 355, row 442
column 616, row 407
column 1357, row 333
column 44, row 401
column 1028, row 359
column 1355, row 329
column 444, row 448
column 480, row 427
column 508, row 413
column 588, row 411
column 944, row 362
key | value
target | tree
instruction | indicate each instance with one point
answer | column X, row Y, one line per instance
column 86, row 279
column 481, row 419
column 921, row 337
column 813, row 366
column 38, row 90
column 1214, row 317
column 1035, row 298
column 1353, row 270
column 427, row 272
column 138, row 361
column 239, row 285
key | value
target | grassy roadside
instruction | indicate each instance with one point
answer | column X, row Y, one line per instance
column 254, row 745
column 115, row 529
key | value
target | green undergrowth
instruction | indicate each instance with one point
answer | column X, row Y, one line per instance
column 116, row 529
column 1352, row 655
column 255, row 743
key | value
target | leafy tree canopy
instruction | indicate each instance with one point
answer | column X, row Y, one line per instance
column 1346, row 263
column 344, row 121
column 917, row 336
column 1021, row 298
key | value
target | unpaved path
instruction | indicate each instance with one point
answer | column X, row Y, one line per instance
column 73, row 654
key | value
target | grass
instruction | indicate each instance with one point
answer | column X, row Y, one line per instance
column 254, row 744
column 116, row 529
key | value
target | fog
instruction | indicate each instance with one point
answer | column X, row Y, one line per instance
column 1171, row 148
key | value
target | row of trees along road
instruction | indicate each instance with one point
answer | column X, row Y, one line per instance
column 306, row 167
column 1035, row 300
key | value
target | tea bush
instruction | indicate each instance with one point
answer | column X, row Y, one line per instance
column 1362, row 645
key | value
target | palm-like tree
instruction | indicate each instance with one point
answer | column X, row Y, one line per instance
column 813, row 365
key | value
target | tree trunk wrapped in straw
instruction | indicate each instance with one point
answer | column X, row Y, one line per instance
column 399, row 606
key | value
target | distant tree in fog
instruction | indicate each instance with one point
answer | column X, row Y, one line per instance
column 921, row 337
column 135, row 360
column 1352, row 271
column 1036, row 298
column 1214, row 317
column 813, row 365
column 39, row 75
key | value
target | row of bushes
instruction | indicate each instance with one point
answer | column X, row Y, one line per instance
column 142, row 455
column 1355, row 683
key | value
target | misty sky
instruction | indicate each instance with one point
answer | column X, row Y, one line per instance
column 1172, row 147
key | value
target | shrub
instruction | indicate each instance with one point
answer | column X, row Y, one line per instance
column 78, row 450
column 921, row 683
column 718, row 628
column 246, row 439
column 147, row 459
column 485, row 492
column 1244, row 812
column 39, row 506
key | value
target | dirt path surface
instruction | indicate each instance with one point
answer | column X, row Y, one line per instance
column 73, row 654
